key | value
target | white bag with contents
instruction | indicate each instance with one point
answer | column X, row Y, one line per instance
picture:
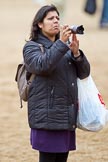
column 92, row 113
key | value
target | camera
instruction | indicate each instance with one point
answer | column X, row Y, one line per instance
column 77, row 29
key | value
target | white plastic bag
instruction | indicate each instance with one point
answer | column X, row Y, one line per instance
column 92, row 113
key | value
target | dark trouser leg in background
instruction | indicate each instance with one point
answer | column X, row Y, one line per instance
column 104, row 16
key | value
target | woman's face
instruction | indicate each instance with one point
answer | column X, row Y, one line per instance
column 50, row 26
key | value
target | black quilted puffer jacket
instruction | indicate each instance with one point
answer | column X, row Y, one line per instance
column 53, row 94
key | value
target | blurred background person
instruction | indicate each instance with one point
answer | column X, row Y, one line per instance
column 91, row 8
column 104, row 15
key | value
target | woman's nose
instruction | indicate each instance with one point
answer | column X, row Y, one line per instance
column 55, row 19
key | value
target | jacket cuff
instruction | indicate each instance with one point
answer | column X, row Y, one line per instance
column 80, row 57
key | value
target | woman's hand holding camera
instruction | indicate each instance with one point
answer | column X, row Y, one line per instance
column 65, row 34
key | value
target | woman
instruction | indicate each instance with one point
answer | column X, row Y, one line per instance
column 53, row 94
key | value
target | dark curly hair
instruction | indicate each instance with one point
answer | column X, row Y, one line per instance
column 39, row 17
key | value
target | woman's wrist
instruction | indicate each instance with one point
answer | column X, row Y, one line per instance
column 77, row 55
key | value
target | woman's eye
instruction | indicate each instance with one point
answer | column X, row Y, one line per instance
column 51, row 18
column 57, row 18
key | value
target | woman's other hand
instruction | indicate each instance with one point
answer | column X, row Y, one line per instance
column 74, row 46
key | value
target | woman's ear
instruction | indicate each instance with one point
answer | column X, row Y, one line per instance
column 40, row 25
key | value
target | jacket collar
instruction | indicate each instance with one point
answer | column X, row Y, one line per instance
column 44, row 41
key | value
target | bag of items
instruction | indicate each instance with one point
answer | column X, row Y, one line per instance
column 92, row 114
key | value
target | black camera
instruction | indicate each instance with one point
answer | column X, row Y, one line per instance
column 77, row 29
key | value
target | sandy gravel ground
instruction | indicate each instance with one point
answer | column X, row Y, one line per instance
column 15, row 20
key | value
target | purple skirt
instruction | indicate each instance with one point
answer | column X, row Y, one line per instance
column 53, row 141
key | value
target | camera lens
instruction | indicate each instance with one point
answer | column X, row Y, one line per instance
column 77, row 29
